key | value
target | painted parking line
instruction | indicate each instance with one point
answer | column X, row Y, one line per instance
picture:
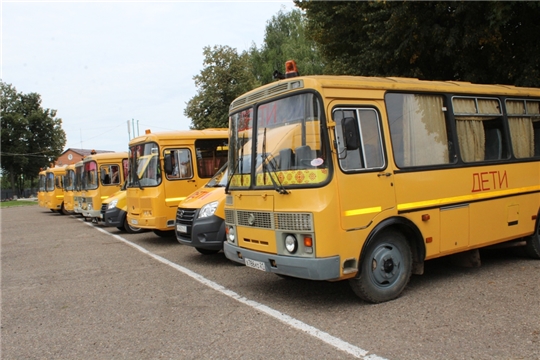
column 292, row 322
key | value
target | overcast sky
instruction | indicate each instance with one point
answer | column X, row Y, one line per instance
column 101, row 64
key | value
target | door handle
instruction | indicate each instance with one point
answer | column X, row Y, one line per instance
column 384, row 174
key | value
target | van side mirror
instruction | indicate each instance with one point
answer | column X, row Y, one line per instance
column 351, row 133
column 168, row 164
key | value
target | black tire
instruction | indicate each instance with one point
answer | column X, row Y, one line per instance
column 532, row 244
column 385, row 268
column 206, row 251
column 130, row 229
column 165, row 233
column 63, row 210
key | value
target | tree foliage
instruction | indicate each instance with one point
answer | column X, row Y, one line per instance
column 32, row 137
column 225, row 76
column 285, row 39
column 482, row 42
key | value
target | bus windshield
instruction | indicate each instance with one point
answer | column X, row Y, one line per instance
column 90, row 176
column 78, row 181
column 144, row 161
column 69, row 180
column 41, row 182
column 291, row 150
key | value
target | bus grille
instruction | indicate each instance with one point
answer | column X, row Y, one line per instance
column 293, row 221
column 104, row 208
column 274, row 221
column 255, row 219
column 229, row 217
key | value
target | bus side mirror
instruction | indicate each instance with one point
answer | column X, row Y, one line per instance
column 168, row 164
column 351, row 133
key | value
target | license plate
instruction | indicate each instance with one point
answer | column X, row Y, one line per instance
column 181, row 228
column 259, row 265
column 134, row 222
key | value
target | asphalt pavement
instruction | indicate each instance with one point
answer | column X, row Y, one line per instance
column 72, row 290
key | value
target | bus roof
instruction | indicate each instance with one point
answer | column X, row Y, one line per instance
column 106, row 156
column 328, row 82
column 181, row 135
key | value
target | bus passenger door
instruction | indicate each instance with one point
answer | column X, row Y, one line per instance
column 365, row 179
column 181, row 179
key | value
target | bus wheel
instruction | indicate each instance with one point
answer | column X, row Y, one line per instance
column 130, row 229
column 63, row 210
column 206, row 251
column 385, row 269
column 532, row 244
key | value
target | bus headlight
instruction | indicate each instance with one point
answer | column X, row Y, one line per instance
column 112, row 204
column 291, row 244
column 208, row 210
column 231, row 236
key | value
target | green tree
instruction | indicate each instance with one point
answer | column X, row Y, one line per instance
column 225, row 76
column 483, row 42
column 285, row 39
column 32, row 137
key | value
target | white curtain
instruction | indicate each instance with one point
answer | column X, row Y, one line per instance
column 425, row 140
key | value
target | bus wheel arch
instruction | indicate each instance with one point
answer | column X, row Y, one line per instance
column 390, row 254
column 532, row 242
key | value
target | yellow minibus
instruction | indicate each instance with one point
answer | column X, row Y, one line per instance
column 103, row 175
column 200, row 218
column 166, row 167
column 372, row 176
column 54, row 189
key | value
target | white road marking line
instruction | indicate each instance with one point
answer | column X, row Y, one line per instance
column 294, row 323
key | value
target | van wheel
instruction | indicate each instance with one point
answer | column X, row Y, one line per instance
column 206, row 251
column 532, row 244
column 130, row 229
column 385, row 268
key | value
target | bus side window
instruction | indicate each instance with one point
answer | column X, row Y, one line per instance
column 480, row 129
column 537, row 139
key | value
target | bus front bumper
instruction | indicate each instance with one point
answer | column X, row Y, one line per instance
column 304, row 268
column 91, row 214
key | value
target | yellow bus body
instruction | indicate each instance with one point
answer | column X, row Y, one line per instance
column 54, row 190
column 153, row 205
column 69, row 187
column 104, row 175
column 438, row 209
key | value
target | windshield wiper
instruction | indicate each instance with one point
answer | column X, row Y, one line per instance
column 265, row 162
column 230, row 177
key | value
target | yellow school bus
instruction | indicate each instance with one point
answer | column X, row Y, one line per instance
column 103, row 175
column 78, row 187
column 54, row 189
column 69, row 187
column 200, row 218
column 166, row 167
column 41, row 188
column 363, row 178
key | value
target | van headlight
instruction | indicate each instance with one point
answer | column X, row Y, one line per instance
column 112, row 204
column 208, row 210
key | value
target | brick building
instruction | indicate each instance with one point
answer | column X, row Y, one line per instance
column 72, row 156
